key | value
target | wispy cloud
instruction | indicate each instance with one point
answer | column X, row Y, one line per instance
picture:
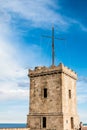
column 79, row 24
column 82, row 98
column 38, row 13
column 10, row 72
column 81, row 89
column 35, row 14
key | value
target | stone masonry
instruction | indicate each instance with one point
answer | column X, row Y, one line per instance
column 52, row 99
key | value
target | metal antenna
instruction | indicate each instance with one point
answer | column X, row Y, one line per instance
column 52, row 37
column 52, row 46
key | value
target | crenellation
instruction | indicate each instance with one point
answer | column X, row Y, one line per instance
column 42, row 71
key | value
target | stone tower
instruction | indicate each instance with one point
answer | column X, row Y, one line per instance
column 52, row 99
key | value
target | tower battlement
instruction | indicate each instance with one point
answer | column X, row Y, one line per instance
column 42, row 70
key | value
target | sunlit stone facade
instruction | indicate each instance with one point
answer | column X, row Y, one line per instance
column 53, row 99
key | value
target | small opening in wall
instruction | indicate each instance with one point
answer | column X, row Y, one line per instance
column 69, row 93
column 66, row 121
column 44, row 122
column 72, row 123
column 45, row 92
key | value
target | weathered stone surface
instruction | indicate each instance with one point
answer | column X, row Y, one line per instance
column 58, row 107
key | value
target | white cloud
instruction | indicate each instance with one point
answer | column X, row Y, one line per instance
column 14, row 81
column 11, row 91
column 11, row 75
column 10, row 72
column 82, row 98
column 81, row 89
column 82, row 27
column 38, row 12
column 83, row 115
column 14, row 113
column 10, row 69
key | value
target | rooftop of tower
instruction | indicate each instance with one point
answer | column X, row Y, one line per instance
column 42, row 70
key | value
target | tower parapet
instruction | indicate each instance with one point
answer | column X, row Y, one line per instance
column 42, row 70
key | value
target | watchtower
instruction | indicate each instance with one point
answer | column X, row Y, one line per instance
column 53, row 99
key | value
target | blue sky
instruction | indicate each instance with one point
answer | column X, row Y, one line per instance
column 22, row 24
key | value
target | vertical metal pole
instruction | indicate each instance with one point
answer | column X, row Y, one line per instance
column 52, row 46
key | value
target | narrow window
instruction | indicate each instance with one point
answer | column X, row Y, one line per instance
column 72, row 123
column 69, row 93
column 44, row 122
column 66, row 121
column 45, row 92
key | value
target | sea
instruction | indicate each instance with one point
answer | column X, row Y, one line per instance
column 12, row 125
column 15, row 125
column 85, row 124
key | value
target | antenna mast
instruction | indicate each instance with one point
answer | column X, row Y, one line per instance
column 52, row 37
column 53, row 46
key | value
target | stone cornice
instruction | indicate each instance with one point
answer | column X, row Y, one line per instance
column 42, row 71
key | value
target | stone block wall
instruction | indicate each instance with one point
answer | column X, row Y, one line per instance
column 51, row 104
column 69, row 102
column 53, row 122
